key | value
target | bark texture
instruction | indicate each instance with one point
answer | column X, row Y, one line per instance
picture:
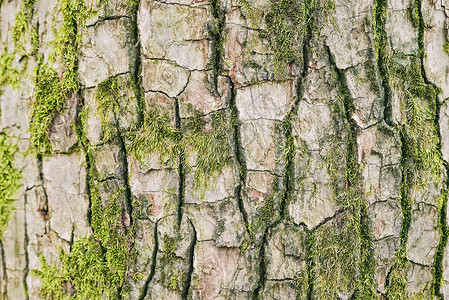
column 224, row 149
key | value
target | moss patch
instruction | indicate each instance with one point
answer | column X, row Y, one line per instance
column 97, row 266
column 10, row 181
column 21, row 23
column 48, row 100
column 8, row 73
column 287, row 24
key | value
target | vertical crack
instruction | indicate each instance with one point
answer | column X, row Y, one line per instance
column 181, row 168
column 26, row 242
column 216, row 30
column 144, row 290
column 262, row 267
column 123, row 158
column 288, row 175
column 4, row 282
column 358, row 207
column 134, row 48
column 443, row 201
column 380, row 41
column 240, row 160
column 43, row 209
column 185, row 291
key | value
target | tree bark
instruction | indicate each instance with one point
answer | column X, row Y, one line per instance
column 186, row 149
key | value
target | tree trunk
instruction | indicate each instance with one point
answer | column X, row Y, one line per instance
column 185, row 149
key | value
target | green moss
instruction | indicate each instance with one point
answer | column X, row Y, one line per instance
column 35, row 40
column 68, row 40
column 108, row 101
column 22, row 22
column 49, row 98
column 8, row 73
column 157, row 134
column 446, row 48
column 96, row 267
column 169, row 247
column 439, row 255
column 335, row 258
column 208, row 140
column 10, row 181
column 54, row 282
column 52, row 89
column 422, row 157
column 211, row 146
column 288, row 23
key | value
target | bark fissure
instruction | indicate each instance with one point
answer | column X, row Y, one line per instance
column 380, row 44
column 181, row 169
column 443, row 201
column 240, row 160
column 188, row 282
column 358, row 207
column 262, row 267
column 288, row 174
column 144, row 290
column 26, row 243
column 135, row 58
column 43, row 209
column 4, row 282
column 123, row 158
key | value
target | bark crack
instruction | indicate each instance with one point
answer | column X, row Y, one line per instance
column 4, row 281
column 188, row 283
column 144, row 290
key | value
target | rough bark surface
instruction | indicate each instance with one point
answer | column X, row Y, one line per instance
column 224, row 149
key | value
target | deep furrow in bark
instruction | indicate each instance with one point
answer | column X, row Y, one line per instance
column 188, row 283
column 181, row 170
column 287, row 177
column 43, row 210
column 134, row 58
column 442, row 209
column 144, row 290
column 353, row 179
column 262, row 268
column 123, row 159
column 3, row 270
column 380, row 42
column 26, row 242
column 241, row 164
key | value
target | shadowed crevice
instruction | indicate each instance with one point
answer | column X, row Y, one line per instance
column 144, row 290
column 188, row 282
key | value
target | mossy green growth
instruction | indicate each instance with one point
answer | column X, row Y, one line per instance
column 52, row 89
column 8, row 73
column 21, row 23
column 10, row 180
column 157, row 134
column 68, row 40
column 110, row 106
column 439, row 255
column 48, row 100
column 446, row 48
column 171, row 275
column 398, row 280
column 209, row 140
column 422, row 157
column 334, row 257
column 97, row 266
column 288, row 23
